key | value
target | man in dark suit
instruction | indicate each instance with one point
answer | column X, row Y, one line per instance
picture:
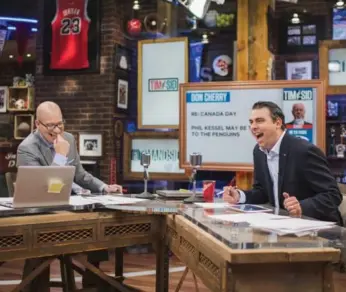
column 289, row 172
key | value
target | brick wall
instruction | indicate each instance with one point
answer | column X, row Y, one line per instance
column 87, row 101
column 10, row 69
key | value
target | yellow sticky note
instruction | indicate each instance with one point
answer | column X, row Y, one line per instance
column 55, row 187
column 183, row 190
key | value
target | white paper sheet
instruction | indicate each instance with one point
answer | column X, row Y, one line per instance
column 280, row 225
column 6, row 200
column 2, row 208
column 213, row 205
column 79, row 201
column 247, row 217
column 104, row 200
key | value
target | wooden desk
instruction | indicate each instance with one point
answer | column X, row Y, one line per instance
column 255, row 269
column 65, row 232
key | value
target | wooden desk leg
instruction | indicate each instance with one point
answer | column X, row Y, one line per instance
column 114, row 283
column 195, row 281
column 119, row 263
column 32, row 275
column 162, row 258
column 67, row 274
column 182, row 279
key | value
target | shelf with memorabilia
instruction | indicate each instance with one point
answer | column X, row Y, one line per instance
column 336, row 135
column 20, row 98
column 23, row 125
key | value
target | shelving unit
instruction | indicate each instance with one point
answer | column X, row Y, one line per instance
column 20, row 99
column 337, row 164
column 23, row 125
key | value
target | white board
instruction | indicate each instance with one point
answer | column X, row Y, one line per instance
column 215, row 118
column 164, row 155
column 162, row 66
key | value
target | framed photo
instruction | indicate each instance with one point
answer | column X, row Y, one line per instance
column 82, row 54
column 90, row 144
column 299, row 70
column 3, row 98
column 122, row 58
column 332, row 66
column 122, row 92
column 164, row 150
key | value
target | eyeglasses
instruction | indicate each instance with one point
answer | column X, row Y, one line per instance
column 51, row 127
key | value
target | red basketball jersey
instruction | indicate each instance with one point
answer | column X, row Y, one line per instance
column 70, row 28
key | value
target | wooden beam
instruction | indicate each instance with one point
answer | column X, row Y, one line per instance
column 242, row 39
column 168, row 13
column 253, row 56
column 259, row 55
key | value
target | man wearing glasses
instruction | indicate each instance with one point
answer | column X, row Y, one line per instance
column 50, row 145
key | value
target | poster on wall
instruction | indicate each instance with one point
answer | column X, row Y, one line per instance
column 71, row 37
column 339, row 24
column 298, row 108
column 163, row 148
column 214, row 119
column 162, row 66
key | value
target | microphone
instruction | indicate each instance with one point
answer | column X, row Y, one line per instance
column 145, row 159
column 145, row 162
column 195, row 162
column 196, row 159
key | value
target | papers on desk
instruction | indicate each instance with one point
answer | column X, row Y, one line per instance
column 213, row 205
column 102, row 199
column 281, row 225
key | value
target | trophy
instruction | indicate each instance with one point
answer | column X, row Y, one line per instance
column 342, row 132
column 340, row 150
column 195, row 162
column 145, row 162
column 332, row 141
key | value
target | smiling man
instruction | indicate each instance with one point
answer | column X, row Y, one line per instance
column 51, row 145
column 289, row 172
column 48, row 145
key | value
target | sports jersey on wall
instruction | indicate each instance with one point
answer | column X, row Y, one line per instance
column 70, row 28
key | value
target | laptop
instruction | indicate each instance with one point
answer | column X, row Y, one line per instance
column 43, row 186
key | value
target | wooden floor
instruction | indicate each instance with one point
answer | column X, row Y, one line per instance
column 10, row 274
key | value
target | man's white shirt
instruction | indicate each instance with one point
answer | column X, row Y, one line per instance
column 273, row 166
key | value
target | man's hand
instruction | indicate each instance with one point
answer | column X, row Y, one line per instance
column 61, row 146
column 113, row 189
column 231, row 195
column 292, row 205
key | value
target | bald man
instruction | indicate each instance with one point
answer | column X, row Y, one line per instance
column 51, row 145
column 298, row 112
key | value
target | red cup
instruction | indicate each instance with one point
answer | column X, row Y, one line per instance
column 208, row 190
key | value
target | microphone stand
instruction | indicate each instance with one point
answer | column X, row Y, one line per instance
column 146, row 194
column 195, row 161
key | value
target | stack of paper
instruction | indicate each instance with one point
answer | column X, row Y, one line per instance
column 103, row 199
column 281, row 225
